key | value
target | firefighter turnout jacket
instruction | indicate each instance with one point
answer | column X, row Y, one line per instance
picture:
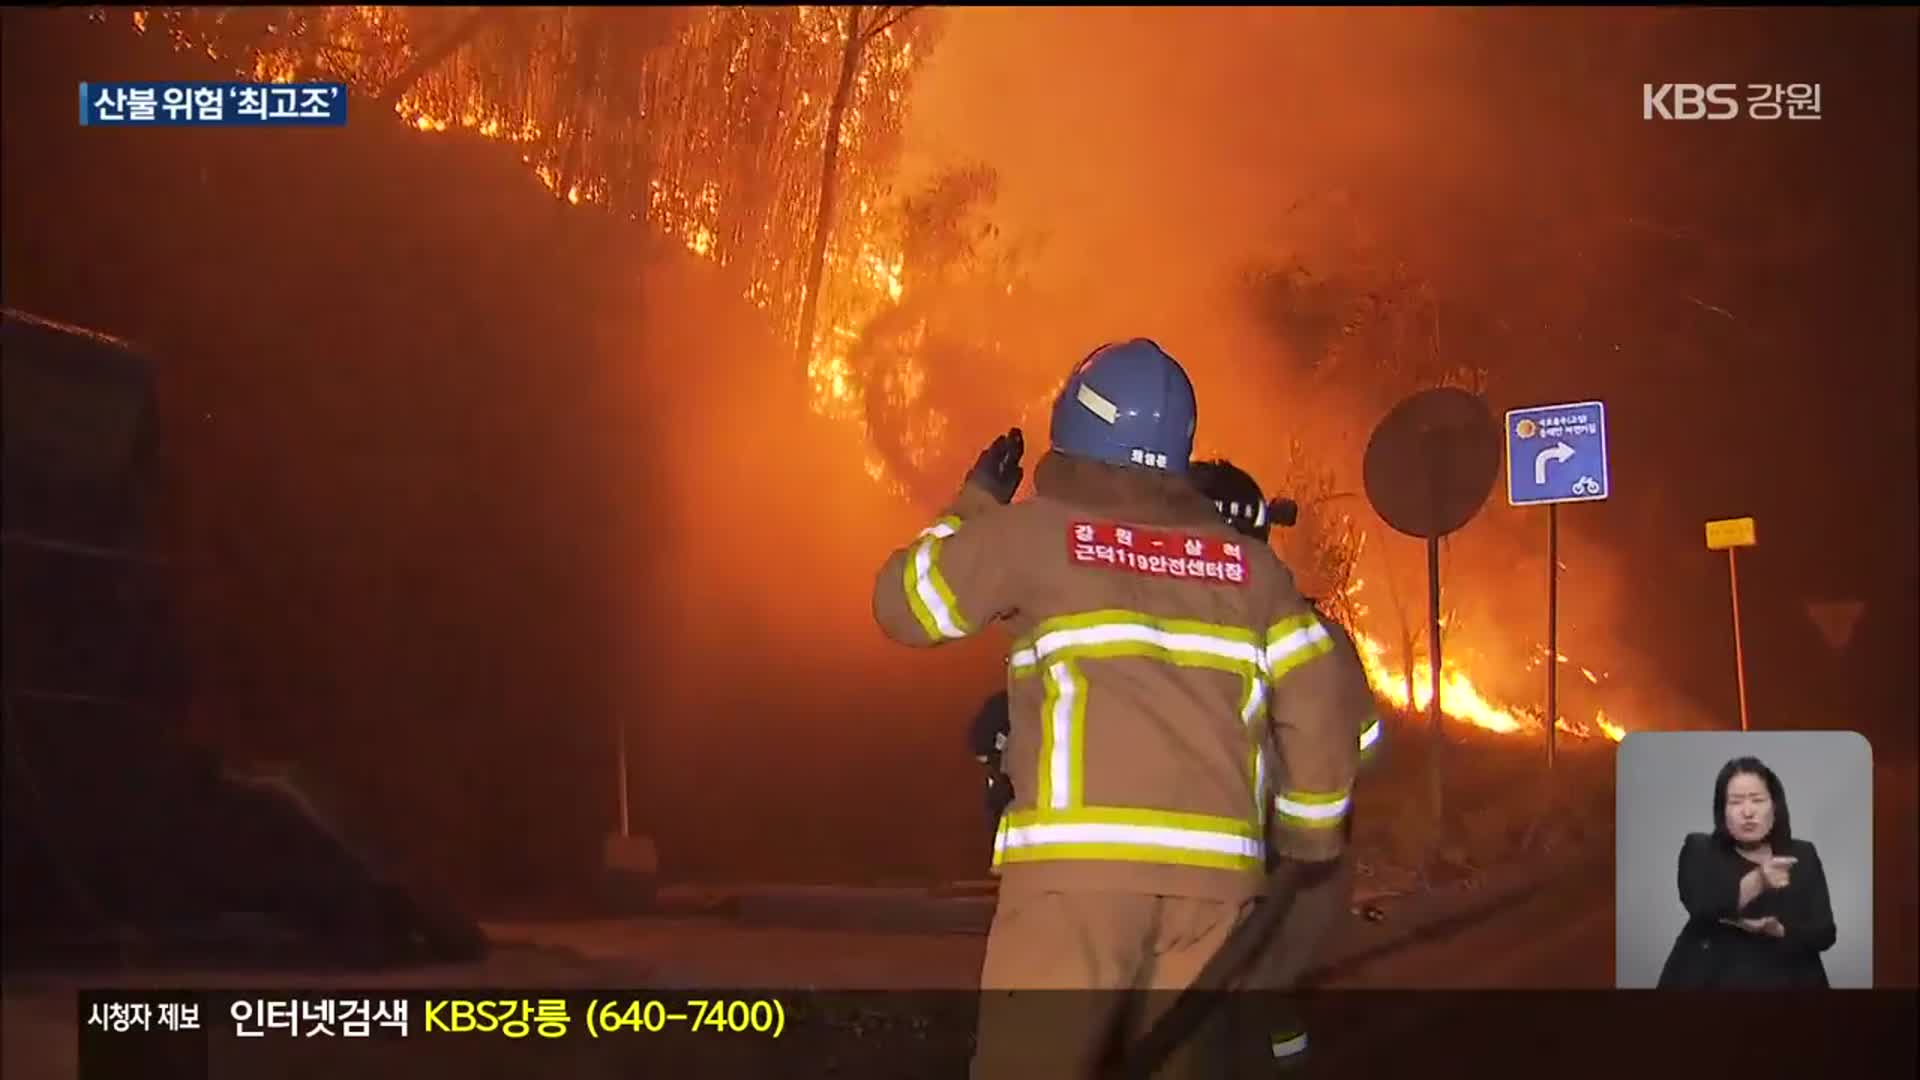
column 1356, row 694
column 1159, row 661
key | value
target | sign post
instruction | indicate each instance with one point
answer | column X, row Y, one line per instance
column 1553, row 630
column 1556, row 454
column 620, row 741
column 1730, row 535
column 1429, row 467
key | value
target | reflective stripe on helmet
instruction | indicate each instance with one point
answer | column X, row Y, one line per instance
column 1289, row 1044
column 1312, row 809
column 1128, row 835
column 928, row 596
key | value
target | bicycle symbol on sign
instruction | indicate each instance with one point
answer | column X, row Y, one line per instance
column 1586, row 485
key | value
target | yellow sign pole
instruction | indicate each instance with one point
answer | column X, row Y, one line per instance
column 1739, row 654
column 1731, row 535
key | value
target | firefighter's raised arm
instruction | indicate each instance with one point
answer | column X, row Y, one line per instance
column 955, row 577
column 1316, row 726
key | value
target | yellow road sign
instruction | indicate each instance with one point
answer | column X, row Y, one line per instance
column 1730, row 533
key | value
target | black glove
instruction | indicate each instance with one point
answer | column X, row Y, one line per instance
column 988, row 736
column 999, row 796
column 988, row 740
column 997, row 471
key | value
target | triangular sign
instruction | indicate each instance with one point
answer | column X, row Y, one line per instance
column 1836, row 619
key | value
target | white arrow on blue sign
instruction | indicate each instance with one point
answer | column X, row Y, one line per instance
column 1557, row 454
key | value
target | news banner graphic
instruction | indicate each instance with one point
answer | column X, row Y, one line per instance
column 1722, row 101
column 1556, row 454
column 314, row 1014
column 262, row 1034
column 133, row 1034
column 212, row 104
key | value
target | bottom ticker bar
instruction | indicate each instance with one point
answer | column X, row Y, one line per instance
column 475, row 1034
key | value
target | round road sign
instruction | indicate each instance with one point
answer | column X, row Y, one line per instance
column 1432, row 461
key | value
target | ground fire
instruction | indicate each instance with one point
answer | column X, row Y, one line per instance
column 1461, row 700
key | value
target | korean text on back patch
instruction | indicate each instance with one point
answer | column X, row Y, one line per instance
column 1158, row 553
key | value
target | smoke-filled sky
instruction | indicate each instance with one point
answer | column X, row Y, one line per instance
column 1156, row 141
column 1699, row 277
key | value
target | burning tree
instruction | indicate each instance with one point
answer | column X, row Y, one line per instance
column 1371, row 329
column 860, row 33
column 938, row 374
column 1323, row 547
column 708, row 124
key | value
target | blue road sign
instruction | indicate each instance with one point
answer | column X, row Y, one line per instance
column 1557, row 454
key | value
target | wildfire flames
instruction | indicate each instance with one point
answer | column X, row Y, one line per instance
column 864, row 270
column 1461, row 700
column 875, row 278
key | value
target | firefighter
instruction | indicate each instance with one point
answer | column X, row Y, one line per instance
column 1237, row 498
column 1158, row 661
column 1324, row 893
column 987, row 738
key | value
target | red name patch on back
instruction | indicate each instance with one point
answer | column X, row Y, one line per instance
column 1157, row 552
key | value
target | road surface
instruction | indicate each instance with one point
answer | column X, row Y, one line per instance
column 1559, row 938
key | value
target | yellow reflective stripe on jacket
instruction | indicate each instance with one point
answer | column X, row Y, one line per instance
column 1054, row 651
column 1253, row 710
column 1063, row 714
column 1312, row 809
column 928, row 596
column 943, row 528
column 1370, row 735
column 1294, row 641
column 1369, row 742
column 1115, row 633
column 1128, row 835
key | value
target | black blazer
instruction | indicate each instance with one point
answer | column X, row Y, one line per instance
column 1712, row 955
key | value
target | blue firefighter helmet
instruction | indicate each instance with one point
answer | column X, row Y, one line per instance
column 1130, row 404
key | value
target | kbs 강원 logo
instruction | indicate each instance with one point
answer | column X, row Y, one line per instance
column 1689, row 101
column 1721, row 101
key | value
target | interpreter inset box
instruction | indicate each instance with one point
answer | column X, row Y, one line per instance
column 1743, row 860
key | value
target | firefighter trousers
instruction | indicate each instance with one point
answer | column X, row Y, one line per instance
column 1053, row 989
column 1267, row 1021
column 1325, row 894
